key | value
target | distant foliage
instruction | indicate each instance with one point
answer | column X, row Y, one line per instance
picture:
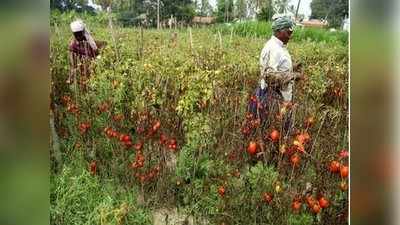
column 263, row 29
column 334, row 11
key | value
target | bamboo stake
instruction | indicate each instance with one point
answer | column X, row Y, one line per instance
column 230, row 40
column 110, row 25
column 220, row 39
column 191, row 39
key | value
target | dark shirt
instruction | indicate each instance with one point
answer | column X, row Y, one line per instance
column 82, row 48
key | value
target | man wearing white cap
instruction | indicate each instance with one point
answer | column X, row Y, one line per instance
column 83, row 48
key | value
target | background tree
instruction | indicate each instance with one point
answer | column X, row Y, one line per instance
column 104, row 3
column 225, row 10
column 333, row 11
column 267, row 11
column 240, row 9
column 281, row 6
column 181, row 9
column 65, row 5
column 205, row 8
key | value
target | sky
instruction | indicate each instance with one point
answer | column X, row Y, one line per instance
column 303, row 9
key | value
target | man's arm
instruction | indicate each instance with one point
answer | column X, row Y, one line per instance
column 269, row 61
column 101, row 44
column 275, row 78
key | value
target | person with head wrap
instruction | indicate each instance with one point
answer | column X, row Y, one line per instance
column 277, row 71
column 82, row 49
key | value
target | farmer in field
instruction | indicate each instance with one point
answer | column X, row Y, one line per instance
column 82, row 50
column 277, row 73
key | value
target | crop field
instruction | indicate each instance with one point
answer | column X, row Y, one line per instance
column 160, row 132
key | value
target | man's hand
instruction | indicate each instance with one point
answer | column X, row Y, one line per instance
column 297, row 67
column 299, row 76
column 101, row 44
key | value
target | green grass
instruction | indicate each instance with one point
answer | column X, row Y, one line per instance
column 263, row 29
column 79, row 198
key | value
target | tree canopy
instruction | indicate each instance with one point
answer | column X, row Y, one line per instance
column 333, row 11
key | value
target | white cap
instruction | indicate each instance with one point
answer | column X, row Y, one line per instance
column 77, row 26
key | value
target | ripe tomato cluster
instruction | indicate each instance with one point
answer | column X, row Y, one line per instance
column 66, row 99
column 339, row 168
column 274, row 136
column 125, row 139
column 301, row 140
column 146, row 128
column 118, row 117
column 71, row 107
column 103, row 107
column 267, row 197
column 93, row 167
column 84, row 127
column 170, row 143
column 221, row 191
column 250, row 125
column 294, row 151
column 316, row 205
column 139, row 160
column 148, row 176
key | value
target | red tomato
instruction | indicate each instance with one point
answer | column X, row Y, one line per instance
column 343, row 154
column 252, row 149
column 334, row 167
column 103, row 107
column 138, row 146
column 249, row 116
column 140, row 130
column 274, row 135
column 172, row 141
column 172, row 144
column 245, row 131
column 310, row 201
column 93, row 167
column 114, row 134
column 295, row 160
column 118, row 117
column 221, row 191
column 309, row 121
column 300, row 138
column 316, row 208
column 140, row 164
column 344, row 171
column 296, row 205
column 323, row 202
column 124, row 138
column 83, row 127
column 267, row 197
column 106, row 129
column 303, row 138
column 173, row 147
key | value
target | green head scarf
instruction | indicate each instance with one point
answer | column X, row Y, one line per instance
column 281, row 23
